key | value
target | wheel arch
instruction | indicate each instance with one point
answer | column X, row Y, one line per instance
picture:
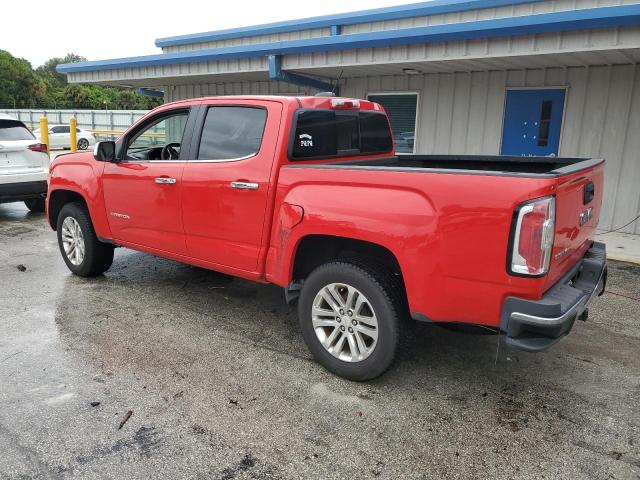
column 58, row 199
column 317, row 249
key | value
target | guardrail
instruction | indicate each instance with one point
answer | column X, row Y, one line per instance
column 43, row 125
column 116, row 133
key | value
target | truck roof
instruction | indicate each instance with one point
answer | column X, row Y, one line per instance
column 298, row 101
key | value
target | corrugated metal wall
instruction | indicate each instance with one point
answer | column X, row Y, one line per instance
column 463, row 113
column 180, row 92
column 250, row 40
column 505, row 11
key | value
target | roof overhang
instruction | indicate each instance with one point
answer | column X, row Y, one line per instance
column 566, row 21
column 433, row 7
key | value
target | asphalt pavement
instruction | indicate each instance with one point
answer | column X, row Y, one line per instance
column 162, row 370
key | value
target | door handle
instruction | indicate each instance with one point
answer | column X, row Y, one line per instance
column 244, row 185
column 165, row 180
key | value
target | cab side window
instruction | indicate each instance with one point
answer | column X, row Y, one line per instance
column 160, row 139
column 232, row 133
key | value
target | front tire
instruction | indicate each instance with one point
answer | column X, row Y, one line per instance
column 83, row 144
column 36, row 205
column 350, row 317
column 84, row 254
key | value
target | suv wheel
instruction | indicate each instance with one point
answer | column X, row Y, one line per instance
column 81, row 250
column 349, row 317
column 83, row 144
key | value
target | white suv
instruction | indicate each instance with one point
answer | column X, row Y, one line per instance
column 24, row 165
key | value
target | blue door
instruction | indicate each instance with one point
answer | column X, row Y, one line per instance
column 532, row 122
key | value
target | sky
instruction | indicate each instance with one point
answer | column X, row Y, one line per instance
column 119, row 28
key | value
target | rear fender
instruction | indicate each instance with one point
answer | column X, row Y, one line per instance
column 403, row 221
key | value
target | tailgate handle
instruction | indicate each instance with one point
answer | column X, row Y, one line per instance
column 589, row 192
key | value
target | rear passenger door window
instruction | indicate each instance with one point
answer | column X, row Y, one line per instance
column 232, row 133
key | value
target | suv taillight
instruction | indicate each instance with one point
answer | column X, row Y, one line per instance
column 532, row 239
column 38, row 147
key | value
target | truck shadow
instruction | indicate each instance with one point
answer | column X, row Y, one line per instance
column 139, row 295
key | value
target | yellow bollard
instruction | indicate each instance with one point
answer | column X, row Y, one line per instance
column 44, row 133
column 73, row 134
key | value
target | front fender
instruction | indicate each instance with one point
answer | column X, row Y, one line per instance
column 81, row 174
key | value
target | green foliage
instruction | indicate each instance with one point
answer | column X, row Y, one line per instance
column 48, row 70
column 44, row 87
column 17, row 80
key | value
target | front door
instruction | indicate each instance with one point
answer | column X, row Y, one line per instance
column 532, row 122
column 225, row 189
column 142, row 192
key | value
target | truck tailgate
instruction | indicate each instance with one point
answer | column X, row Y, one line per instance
column 578, row 203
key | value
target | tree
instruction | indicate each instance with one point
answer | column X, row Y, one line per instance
column 21, row 86
column 128, row 100
column 48, row 69
column 17, row 81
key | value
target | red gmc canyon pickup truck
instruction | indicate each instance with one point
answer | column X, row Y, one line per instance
column 306, row 193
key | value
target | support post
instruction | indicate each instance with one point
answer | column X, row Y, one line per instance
column 276, row 73
column 44, row 133
column 73, row 134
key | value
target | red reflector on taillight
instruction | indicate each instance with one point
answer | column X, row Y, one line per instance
column 533, row 237
column 38, row 147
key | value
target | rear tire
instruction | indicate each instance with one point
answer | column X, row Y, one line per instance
column 84, row 254
column 36, row 205
column 366, row 311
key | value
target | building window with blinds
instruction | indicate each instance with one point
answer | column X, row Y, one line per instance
column 401, row 109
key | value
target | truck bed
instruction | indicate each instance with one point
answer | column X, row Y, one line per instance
column 479, row 164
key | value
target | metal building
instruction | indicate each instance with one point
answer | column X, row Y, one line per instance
column 524, row 77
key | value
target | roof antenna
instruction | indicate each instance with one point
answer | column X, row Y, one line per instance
column 333, row 91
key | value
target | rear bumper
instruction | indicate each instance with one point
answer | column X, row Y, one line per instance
column 14, row 192
column 535, row 325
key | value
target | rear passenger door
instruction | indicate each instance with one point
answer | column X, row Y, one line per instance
column 226, row 186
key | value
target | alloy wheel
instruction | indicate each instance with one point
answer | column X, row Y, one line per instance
column 73, row 240
column 345, row 322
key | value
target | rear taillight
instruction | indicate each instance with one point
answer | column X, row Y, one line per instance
column 38, row 147
column 532, row 239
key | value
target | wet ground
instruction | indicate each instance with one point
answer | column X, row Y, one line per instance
column 215, row 381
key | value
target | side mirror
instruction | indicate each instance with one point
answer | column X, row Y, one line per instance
column 105, row 151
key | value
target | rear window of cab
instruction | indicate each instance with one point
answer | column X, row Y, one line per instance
column 319, row 133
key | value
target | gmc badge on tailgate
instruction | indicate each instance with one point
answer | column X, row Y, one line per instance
column 586, row 216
